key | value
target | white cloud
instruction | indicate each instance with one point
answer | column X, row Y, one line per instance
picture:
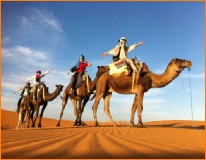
column 154, row 92
column 40, row 19
column 198, row 75
column 6, row 40
column 24, row 21
column 21, row 56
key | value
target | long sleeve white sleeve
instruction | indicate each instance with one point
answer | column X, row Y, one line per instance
column 45, row 73
column 132, row 47
column 114, row 51
column 33, row 77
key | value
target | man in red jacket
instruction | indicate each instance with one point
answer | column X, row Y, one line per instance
column 79, row 68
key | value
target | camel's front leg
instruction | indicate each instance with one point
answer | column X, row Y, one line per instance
column 106, row 108
column 64, row 102
column 24, row 120
column 19, row 120
column 42, row 112
column 95, row 106
column 139, row 104
column 86, row 99
column 133, row 109
column 36, row 115
column 77, row 122
column 74, row 103
column 29, row 117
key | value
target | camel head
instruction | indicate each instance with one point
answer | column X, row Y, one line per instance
column 101, row 70
column 179, row 64
column 59, row 88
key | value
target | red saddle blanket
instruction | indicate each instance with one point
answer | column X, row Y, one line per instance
column 120, row 63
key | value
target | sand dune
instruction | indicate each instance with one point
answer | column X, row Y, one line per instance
column 161, row 139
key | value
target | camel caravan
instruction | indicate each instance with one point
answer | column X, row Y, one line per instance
column 123, row 76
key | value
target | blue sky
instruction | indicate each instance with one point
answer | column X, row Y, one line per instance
column 44, row 35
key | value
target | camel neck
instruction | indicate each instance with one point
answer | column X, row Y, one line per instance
column 52, row 96
column 159, row 81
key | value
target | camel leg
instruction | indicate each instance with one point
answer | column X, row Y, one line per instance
column 77, row 123
column 24, row 119
column 139, row 105
column 36, row 115
column 82, row 110
column 42, row 112
column 100, row 92
column 74, row 103
column 28, row 112
column 64, row 102
column 95, row 106
column 29, row 117
column 19, row 120
column 29, row 109
column 106, row 108
column 133, row 109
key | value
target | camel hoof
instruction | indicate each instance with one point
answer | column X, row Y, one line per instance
column 39, row 125
column 115, row 125
column 140, row 125
column 132, row 124
column 58, row 125
column 96, row 124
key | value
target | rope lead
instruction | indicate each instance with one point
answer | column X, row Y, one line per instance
column 191, row 98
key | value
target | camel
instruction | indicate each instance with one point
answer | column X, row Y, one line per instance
column 43, row 98
column 122, row 84
column 82, row 96
column 24, row 112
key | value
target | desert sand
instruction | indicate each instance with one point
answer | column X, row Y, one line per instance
column 173, row 139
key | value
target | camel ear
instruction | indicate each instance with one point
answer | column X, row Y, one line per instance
column 98, row 66
column 56, row 85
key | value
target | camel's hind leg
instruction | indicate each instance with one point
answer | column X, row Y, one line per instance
column 64, row 102
column 106, row 108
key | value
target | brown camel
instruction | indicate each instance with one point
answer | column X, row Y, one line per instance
column 43, row 98
column 82, row 96
column 24, row 113
column 122, row 84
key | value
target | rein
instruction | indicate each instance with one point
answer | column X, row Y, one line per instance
column 58, row 93
column 191, row 98
column 191, row 106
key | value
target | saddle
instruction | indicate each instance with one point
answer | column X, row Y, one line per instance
column 119, row 66
column 82, row 77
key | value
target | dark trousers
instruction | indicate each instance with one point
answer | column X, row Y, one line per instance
column 74, row 80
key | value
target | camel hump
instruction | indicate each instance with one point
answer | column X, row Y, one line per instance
column 119, row 66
